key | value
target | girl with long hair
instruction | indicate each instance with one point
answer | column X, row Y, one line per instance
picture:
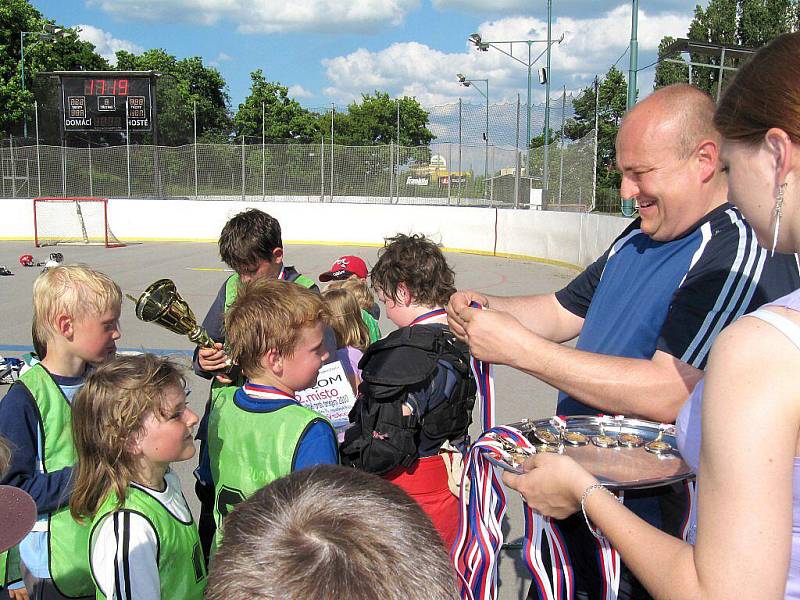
column 130, row 421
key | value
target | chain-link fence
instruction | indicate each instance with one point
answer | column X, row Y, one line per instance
column 471, row 161
column 435, row 174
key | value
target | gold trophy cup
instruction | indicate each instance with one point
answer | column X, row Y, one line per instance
column 162, row 304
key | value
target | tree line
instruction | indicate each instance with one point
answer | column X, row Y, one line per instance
column 185, row 87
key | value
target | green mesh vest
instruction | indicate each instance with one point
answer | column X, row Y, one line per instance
column 181, row 568
column 248, row 450
column 232, row 287
column 68, row 541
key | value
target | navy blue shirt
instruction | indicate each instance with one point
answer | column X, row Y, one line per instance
column 642, row 295
column 21, row 426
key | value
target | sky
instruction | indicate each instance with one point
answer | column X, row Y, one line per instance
column 328, row 51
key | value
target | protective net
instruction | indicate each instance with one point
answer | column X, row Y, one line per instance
column 73, row 221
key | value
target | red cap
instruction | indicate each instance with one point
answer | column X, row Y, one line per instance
column 344, row 267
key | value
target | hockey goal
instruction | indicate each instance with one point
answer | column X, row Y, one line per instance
column 72, row 221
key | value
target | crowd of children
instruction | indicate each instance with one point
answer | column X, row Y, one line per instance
column 92, row 436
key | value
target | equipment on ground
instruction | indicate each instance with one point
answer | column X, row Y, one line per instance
column 72, row 220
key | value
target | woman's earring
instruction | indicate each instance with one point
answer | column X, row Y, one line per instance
column 778, row 209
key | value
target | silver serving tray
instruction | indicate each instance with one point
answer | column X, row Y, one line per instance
column 619, row 467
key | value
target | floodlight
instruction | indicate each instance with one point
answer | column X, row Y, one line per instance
column 461, row 77
column 476, row 39
column 543, row 75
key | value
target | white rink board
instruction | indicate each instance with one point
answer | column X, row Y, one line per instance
column 566, row 237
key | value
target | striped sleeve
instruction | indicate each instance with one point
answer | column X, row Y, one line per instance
column 724, row 276
column 124, row 557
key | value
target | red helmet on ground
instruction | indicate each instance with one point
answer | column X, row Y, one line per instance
column 26, row 260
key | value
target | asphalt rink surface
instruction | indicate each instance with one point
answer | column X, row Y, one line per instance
column 198, row 274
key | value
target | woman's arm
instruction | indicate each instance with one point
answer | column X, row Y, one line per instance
column 750, row 429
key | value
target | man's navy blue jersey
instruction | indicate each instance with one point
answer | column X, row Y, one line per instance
column 675, row 296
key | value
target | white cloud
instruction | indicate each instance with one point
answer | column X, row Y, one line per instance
column 105, row 44
column 298, row 91
column 590, row 46
column 253, row 16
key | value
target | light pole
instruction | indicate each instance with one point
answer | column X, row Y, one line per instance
column 634, row 57
column 466, row 82
column 483, row 46
column 49, row 32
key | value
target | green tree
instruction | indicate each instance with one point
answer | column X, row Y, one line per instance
column 373, row 121
column 42, row 53
column 750, row 23
column 613, row 92
column 180, row 86
column 284, row 119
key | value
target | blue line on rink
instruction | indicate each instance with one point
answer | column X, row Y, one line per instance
column 159, row 351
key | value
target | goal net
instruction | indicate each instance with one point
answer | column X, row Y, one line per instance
column 72, row 221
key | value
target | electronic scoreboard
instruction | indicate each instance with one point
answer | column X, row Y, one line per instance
column 102, row 101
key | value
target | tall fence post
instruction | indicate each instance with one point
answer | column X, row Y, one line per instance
column 333, row 116
column 13, row 167
column 460, row 171
column 561, row 166
column 391, row 171
column 322, row 167
column 449, row 169
column 596, row 129
column 243, row 169
column 263, row 152
column 38, row 159
column 91, row 178
column 127, row 146
column 64, row 168
column 194, row 112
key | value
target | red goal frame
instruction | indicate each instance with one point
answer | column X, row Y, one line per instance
column 108, row 243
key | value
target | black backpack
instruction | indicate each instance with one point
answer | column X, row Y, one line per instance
column 394, row 369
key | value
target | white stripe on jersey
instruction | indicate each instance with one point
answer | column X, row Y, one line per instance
column 124, row 556
column 747, row 265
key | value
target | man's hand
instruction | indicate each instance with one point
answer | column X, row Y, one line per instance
column 458, row 302
column 493, row 336
column 214, row 359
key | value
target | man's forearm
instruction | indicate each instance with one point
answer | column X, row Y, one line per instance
column 542, row 314
column 653, row 389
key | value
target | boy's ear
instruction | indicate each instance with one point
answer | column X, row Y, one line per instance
column 65, row 325
column 403, row 295
column 272, row 361
column 277, row 256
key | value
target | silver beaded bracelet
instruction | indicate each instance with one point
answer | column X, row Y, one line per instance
column 586, row 493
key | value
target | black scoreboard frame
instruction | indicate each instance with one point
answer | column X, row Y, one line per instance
column 90, row 101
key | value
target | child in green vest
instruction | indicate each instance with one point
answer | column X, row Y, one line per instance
column 130, row 422
column 76, row 318
column 250, row 243
column 259, row 432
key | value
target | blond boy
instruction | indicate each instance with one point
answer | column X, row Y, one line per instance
column 259, row 432
column 76, row 317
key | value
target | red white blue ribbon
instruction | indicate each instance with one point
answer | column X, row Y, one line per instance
column 484, row 377
column 266, row 392
column 480, row 535
column 428, row 317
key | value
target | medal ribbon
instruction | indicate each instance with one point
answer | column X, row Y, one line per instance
column 480, row 535
column 266, row 392
column 282, row 274
column 484, row 377
column 428, row 316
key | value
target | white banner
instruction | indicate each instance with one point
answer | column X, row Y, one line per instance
column 332, row 396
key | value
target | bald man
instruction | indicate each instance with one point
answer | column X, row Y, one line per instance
column 647, row 311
